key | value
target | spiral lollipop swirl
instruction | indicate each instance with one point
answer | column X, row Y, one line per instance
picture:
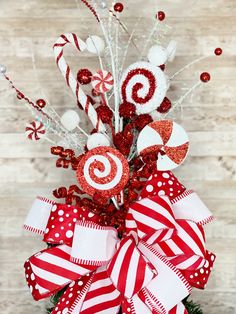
column 144, row 85
column 103, row 170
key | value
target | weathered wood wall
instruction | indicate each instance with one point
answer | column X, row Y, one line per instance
column 30, row 27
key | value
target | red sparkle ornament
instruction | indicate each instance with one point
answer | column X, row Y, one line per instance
column 118, row 7
column 104, row 113
column 142, row 120
column 41, row 103
column 218, row 51
column 127, row 110
column 161, row 16
column 84, row 76
column 165, row 106
column 205, row 77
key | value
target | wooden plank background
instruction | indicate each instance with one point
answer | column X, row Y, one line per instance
column 29, row 27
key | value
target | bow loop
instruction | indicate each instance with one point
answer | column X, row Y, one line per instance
column 93, row 244
column 153, row 219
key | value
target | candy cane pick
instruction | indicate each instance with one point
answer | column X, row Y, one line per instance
column 76, row 88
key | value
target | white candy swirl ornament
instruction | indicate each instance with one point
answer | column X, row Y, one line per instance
column 144, row 85
column 35, row 130
column 103, row 170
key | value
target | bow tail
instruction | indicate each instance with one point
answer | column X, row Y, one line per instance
column 102, row 296
column 73, row 297
column 51, row 270
column 168, row 282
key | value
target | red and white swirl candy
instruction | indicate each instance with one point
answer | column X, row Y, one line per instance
column 103, row 170
column 166, row 138
column 102, row 81
column 144, row 85
column 35, row 130
column 76, row 88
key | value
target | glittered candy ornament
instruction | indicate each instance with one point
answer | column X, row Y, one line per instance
column 144, row 85
column 103, row 170
column 102, row 81
column 166, row 138
column 35, row 130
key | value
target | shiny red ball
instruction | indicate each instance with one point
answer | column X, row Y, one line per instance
column 41, row 103
column 118, row 7
column 164, row 106
column 161, row 16
column 84, row 76
column 205, row 77
column 218, row 51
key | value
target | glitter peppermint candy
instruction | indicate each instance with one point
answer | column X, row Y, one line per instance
column 144, row 85
column 102, row 81
column 103, row 170
column 166, row 138
column 35, row 130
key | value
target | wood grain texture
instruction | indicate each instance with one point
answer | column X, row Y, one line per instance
column 29, row 28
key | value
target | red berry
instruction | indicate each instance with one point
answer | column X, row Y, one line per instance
column 161, row 16
column 41, row 103
column 118, row 7
column 127, row 110
column 205, row 77
column 164, row 106
column 142, row 120
column 104, row 113
column 84, row 76
column 218, row 51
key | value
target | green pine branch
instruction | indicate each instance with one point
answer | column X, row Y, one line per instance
column 192, row 308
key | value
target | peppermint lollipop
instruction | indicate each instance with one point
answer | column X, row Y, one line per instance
column 168, row 139
column 102, row 81
column 103, row 170
column 35, row 130
column 144, row 85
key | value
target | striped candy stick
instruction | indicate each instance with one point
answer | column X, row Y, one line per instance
column 76, row 88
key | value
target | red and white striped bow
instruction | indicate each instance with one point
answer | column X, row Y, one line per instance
column 148, row 271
